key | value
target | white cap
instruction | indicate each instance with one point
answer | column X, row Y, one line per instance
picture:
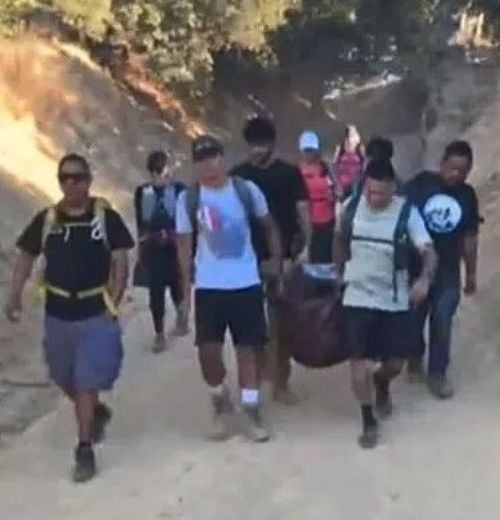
column 309, row 141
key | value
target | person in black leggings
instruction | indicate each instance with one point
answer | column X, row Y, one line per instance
column 155, row 216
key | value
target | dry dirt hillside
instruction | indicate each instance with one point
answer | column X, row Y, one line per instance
column 55, row 100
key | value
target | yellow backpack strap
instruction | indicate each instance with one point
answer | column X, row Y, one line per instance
column 48, row 224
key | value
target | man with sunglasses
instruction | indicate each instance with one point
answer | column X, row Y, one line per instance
column 84, row 244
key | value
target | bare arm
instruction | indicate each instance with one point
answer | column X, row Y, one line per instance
column 422, row 285
column 273, row 244
column 23, row 268
column 185, row 256
column 429, row 262
column 470, row 257
column 118, row 276
column 305, row 223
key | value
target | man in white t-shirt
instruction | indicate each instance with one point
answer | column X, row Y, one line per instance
column 376, row 230
column 216, row 213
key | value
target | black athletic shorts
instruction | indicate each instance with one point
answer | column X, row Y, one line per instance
column 378, row 335
column 241, row 311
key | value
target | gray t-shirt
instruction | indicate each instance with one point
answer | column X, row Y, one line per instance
column 369, row 272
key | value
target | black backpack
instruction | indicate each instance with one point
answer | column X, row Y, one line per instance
column 401, row 239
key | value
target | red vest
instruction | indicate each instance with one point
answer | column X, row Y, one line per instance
column 320, row 192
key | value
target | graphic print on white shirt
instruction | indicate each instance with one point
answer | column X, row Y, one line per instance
column 225, row 234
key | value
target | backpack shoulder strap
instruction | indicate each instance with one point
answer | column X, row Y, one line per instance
column 100, row 206
column 48, row 223
column 192, row 202
column 401, row 231
column 245, row 195
column 348, row 214
column 401, row 245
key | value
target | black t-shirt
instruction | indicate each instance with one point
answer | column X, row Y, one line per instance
column 450, row 213
column 283, row 186
column 77, row 258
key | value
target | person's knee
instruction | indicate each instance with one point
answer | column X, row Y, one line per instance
column 392, row 368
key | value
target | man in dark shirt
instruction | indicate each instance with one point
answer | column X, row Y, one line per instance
column 155, row 204
column 450, row 209
column 286, row 194
column 84, row 244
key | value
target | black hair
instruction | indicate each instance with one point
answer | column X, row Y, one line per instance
column 206, row 147
column 380, row 170
column 74, row 157
column 460, row 149
column 259, row 129
column 380, row 148
column 157, row 161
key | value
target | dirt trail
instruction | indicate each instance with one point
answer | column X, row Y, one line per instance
column 438, row 461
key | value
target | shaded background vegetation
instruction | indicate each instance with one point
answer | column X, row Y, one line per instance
column 194, row 45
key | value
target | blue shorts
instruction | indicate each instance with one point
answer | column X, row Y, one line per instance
column 83, row 355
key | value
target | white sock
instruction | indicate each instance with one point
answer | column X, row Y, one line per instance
column 250, row 397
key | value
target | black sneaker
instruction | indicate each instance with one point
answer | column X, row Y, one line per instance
column 369, row 437
column 85, row 468
column 383, row 400
column 103, row 415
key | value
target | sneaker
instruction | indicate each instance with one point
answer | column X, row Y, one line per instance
column 223, row 410
column 254, row 425
column 85, row 468
column 286, row 396
column 160, row 344
column 440, row 387
column 369, row 437
column 415, row 371
column 181, row 327
column 383, row 400
column 103, row 415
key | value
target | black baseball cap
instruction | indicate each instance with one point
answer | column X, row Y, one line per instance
column 206, row 147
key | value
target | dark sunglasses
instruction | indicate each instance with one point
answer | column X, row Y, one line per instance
column 74, row 177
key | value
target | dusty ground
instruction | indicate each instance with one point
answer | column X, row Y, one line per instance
column 438, row 461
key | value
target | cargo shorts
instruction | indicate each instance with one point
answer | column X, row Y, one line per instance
column 83, row 355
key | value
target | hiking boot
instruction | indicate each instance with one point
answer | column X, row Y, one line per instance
column 286, row 396
column 440, row 387
column 369, row 437
column 103, row 415
column 223, row 410
column 415, row 371
column 160, row 344
column 383, row 400
column 85, row 468
column 254, row 425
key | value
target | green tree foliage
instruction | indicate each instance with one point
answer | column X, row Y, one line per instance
column 91, row 15
column 180, row 38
